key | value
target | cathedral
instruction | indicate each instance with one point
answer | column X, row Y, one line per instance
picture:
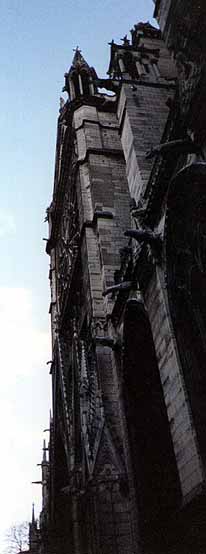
column 127, row 244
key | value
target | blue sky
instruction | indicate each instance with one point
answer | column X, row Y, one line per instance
column 36, row 43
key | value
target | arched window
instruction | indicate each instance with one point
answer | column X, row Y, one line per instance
column 152, row 455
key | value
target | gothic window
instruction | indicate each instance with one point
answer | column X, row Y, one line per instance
column 68, row 243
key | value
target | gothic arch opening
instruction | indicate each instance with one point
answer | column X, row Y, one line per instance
column 152, row 456
column 85, row 82
column 186, row 283
column 75, row 80
column 130, row 65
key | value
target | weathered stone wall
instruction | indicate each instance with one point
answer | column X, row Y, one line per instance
column 102, row 187
column 183, row 433
column 161, row 12
column 142, row 114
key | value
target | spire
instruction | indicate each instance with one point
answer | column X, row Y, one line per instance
column 33, row 534
column 78, row 60
column 33, row 514
column 79, row 78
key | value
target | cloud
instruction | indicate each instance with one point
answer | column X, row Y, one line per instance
column 24, row 403
column 7, row 224
column 23, row 346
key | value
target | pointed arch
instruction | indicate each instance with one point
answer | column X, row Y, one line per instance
column 75, row 81
column 152, row 456
column 85, row 81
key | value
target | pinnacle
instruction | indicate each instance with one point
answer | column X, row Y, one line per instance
column 33, row 514
column 78, row 60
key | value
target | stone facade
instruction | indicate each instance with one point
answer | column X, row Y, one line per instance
column 126, row 470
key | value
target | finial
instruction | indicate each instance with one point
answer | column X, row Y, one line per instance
column 77, row 49
column 125, row 40
column 78, row 59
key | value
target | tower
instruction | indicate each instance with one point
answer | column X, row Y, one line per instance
column 88, row 216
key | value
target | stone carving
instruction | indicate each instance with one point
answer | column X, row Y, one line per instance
column 81, row 396
column 189, row 73
column 99, row 327
column 67, row 430
column 68, row 242
column 91, row 407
